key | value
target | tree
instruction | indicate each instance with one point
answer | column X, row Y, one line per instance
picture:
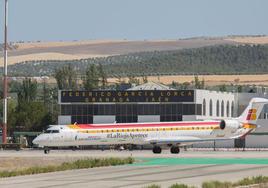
column 185, row 85
column 223, row 88
column 239, row 89
column 31, row 116
column 91, row 80
column 13, row 86
column 103, row 76
column 199, row 84
column 218, row 59
column 203, row 84
column 174, row 84
column 45, row 93
column 10, row 114
column 66, row 78
column 133, row 80
column 27, row 91
column 144, row 78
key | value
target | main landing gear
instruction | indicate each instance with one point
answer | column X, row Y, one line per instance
column 157, row 149
column 173, row 149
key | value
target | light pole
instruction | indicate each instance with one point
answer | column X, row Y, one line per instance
column 4, row 134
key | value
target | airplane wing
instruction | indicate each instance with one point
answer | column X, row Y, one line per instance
column 182, row 140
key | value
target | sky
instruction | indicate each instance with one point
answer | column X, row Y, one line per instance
column 67, row 20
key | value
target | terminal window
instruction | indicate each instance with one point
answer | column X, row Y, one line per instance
column 84, row 113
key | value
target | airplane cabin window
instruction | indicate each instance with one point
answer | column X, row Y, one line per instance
column 55, row 131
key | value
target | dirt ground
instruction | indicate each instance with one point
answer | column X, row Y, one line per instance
column 14, row 160
column 210, row 80
column 98, row 48
column 17, row 163
column 249, row 40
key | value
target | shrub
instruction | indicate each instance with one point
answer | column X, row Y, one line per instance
column 216, row 184
column 180, row 186
column 79, row 164
column 253, row 180
column 153, row 186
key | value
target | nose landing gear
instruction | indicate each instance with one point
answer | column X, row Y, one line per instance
column 46, row 150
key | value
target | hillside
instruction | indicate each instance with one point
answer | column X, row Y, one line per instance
column 249, row 39
column 210, row 80
column 221, row 59
column 21, row 52
column 64, row 50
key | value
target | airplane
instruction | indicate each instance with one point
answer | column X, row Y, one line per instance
column 158, row 134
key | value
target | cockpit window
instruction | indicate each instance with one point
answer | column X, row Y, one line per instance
column 52, row 131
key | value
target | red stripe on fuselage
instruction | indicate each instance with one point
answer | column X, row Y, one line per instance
column 138, row 125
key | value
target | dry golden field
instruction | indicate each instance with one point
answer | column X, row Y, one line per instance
column 69, row 50
column 102, row 48
column 29, row 45
column 98, row 48
column 8, row 164
column 210, row 80
column 46, row 56
column 249, row 40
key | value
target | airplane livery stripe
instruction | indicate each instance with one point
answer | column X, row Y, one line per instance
column 147, row 129
column 112, row 126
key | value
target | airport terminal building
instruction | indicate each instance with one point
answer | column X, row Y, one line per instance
column 153, row 102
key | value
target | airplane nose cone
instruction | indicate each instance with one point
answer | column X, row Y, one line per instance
column 36, row 141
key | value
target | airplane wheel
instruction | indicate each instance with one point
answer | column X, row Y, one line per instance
column 175, row 150
column 46, row 151
column 157, row 149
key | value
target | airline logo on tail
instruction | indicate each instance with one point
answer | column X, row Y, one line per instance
column 252, row 114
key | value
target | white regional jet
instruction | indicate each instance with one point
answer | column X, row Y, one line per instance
column 172, row 134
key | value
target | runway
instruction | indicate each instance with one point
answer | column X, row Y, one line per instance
column 164, row 169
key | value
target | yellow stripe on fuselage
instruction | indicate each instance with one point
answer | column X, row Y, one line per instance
column 150, row 129
column 249, row 126
column 74, row 126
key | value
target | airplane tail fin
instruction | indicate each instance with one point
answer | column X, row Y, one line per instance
column 253, row 110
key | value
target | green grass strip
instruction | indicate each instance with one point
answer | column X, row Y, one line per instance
column 192, row 161
column 79, row 164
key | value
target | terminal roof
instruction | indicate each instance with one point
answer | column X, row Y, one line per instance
column 151, row 86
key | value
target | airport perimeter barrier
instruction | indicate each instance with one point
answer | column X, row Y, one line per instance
column 10, row 146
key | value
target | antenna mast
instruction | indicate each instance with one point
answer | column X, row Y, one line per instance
column 4, row 135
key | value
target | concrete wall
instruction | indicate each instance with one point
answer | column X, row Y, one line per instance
column 259, row 138
column 263, row 126
column 218, row 144
column 112, row 119
column 206, row 96
column 244, row 98
column 189, row 117
column 257, row 141
column 149, row 118
column 64, row 120
column 103, row 119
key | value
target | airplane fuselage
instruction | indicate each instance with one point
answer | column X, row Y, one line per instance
column 137, row 133
column 173, row 134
